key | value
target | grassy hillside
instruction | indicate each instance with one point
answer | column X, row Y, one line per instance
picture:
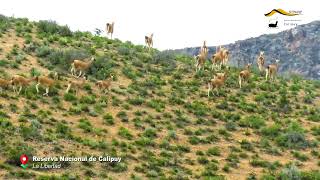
column 157, row 117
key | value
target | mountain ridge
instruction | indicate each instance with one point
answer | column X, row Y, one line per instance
column 298, row 50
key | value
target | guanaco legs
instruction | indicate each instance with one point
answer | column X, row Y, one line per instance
column 20, row 81
column 109, row 28
column 4, row 84
column 78, row 65
column 76, row 84
column 272, row 70
column 261, row 61
column 44, row 81
column 244, row 75
column 105, row 85
column 149, row 41
column 216, row 82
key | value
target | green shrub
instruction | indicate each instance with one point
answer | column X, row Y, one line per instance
column 123, row 116
column 214, row 151
column 292, row 140
column 150, row 133
column 271, row 131
column 125, row 133
column 252, row 121
column 290, row 173
column 51, row 27
column 300, row 156
column 136, row 101
column 85, row 125
column 108, row 119
column 43, row 51
column 63, row 129
column 69, row 97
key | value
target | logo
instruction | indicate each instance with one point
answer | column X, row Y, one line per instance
column 281, row 18
column 24, row 160
column 283, row 12
column 273, row 25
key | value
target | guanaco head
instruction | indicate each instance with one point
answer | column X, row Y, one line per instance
column 277, row 61
column 261, row 53
column 248, row 66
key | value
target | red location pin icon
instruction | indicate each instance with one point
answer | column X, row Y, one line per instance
column 24, row 159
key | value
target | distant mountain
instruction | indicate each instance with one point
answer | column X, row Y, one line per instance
column 298, row 50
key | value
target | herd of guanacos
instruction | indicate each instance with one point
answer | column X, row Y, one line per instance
column 218, row 59
column 221, row 57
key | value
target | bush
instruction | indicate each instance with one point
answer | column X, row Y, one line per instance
column 214, row 151
column 157, row 104
column 51, row 27
column 29, row 133
column 69, row 97
column 123, row 116
column 136, row 101
column 290, row 173
column 63, row 129
column 125, row 133
column 292, row 140
column 108, row 119
column 253, row 121
column 150, row 133
column 271, row 131
column 85, row 125
column 43, row 51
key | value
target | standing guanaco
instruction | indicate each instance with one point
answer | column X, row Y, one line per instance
column 149, row 41
column 244, row 75
column 216, row 82
column 44, row 81
column 105, row 85
column 261, row 61
column 20, row 81
column 272, row 70
column 76, row 84
column 81, row 66
column 109, row 28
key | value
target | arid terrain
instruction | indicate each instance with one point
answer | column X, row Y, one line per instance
column 156, row 117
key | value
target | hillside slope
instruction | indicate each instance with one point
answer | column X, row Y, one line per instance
column 157, row 117
column 297, row 48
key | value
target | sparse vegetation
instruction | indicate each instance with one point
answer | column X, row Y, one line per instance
column 156, row 117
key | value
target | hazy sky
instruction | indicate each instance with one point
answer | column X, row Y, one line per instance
column 175, row 24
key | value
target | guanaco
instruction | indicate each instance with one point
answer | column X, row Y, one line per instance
column 20, row 81
column 109, row 28
column 216, row 82
column 261, row 61
column 149, row 41
column 200, row 61
column 272, row 70
column 44, row 81
column 204, row 48
column 217, row 59
column 81, row 66
column 245, row 74
column 105, row 85
column 76, row 84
